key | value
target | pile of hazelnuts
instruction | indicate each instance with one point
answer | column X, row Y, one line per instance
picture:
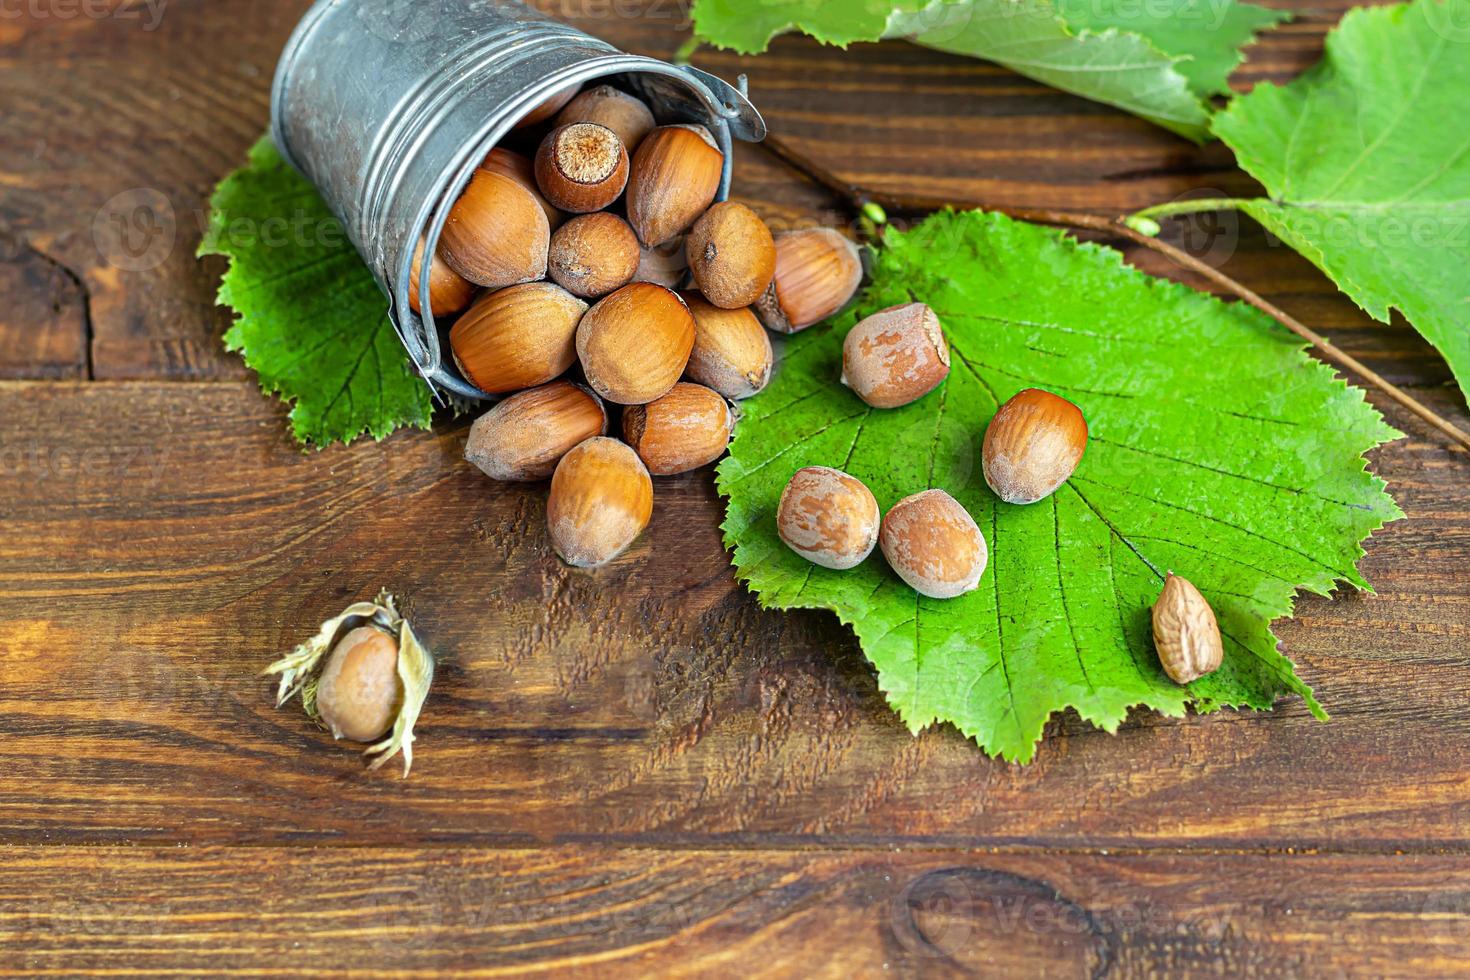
column 596, row 271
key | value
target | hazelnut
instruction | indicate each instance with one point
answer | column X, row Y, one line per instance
column 634, row 343
column 896, row 356
column 624, row 114
column 601, row 500
column 817, row 272
column 934, row 545
column 675, row 176
column 496, row 234
column 581, row 167
column 732, row 351
column 593, row 254
column 520, row 169
column 664, row 264
column 517, row 337
column 1032, row 446
column 682, row 431
column 550, row 106
column 1185, row 632
column 523, row 437
column 359, row 690
column 731, row 255
column 449, row 292
column 828, row 517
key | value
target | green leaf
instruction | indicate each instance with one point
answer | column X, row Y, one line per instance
column 1218, row 450
column 311, row 321
column 1367, row 162
column 1206, row 34
column 1158, row 63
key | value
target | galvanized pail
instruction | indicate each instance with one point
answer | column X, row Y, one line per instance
column 387, row 106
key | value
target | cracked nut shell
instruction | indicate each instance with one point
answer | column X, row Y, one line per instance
column 1186, row 634
column 934, row 545
column 601, row 500
column 828, row 517
column 1033, row 446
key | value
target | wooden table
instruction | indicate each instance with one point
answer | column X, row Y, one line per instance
column 637, row 770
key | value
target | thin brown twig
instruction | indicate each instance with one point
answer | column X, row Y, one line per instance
column 858, row 199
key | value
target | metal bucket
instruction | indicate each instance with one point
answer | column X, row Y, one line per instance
column 387, row 106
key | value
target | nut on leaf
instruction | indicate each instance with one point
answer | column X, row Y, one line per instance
column 1186, row 634
column 896, row 356
column 934, row 545
column 356, row 658
column 1032, row 446
column 828, row 517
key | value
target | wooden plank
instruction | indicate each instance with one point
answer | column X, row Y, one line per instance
column 162, row 542
column 121, row 127
column 726, row 913
column 44, row 331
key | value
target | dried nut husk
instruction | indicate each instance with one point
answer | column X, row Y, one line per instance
column 601, row 500
column 525, row 436
column 449, row 292
column 666, row 264
column 731, row 255
column 1185, row 632
column 682, row 431
column 581, row 167
column 1033, row 446
column 896, row 356
column 817, row 272
column 593, row 254
column 517, row 337
column 828, row 517
column 624, row 114
column 359, row 692
column 934, row 545
column 732, row 351
column 349, row 689
column 550, row 106
column 496, row 234
column 519, row 168
column 635, row 343
column 674, row 178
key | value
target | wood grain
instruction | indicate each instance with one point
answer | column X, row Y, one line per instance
column 599, row 912
column 165, row 541
column 108, row 167
column 638, row 771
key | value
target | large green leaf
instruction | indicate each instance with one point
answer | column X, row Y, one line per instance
column 311, row 321
column 1160, row 63
column 1208, row 36
column 1219, row 450
column 1367, row 162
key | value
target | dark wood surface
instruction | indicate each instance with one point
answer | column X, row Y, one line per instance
column 637, row 770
